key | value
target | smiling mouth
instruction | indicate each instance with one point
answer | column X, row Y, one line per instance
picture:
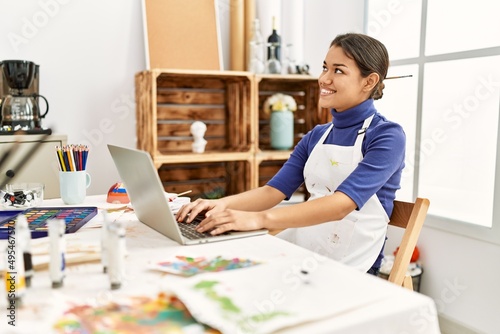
column 326, row 91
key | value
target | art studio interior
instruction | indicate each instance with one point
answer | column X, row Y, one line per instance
column 119, row 117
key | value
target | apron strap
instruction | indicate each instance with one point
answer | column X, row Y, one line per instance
column 358, row 155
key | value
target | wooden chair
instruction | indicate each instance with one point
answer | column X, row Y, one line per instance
column 411, row 217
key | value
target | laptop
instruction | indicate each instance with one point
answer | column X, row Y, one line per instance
column 147, row 196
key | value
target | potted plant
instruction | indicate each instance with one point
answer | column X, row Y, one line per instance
column 281, row 107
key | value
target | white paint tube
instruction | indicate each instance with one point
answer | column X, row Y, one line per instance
column 57, row 263
column 104, row 241
column 24, row 236
column 116, row 254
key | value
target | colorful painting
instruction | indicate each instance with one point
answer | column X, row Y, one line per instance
column 189, row 266
column 243, row 323
column 135, row 315
column 271, row 296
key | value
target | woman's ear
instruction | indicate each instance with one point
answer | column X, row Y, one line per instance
column 371, row 81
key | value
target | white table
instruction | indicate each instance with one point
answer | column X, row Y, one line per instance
column 394, row 310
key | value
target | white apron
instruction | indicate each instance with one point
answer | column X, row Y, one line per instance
column 357, row 239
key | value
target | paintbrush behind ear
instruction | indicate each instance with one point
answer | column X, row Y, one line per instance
column 399, row 77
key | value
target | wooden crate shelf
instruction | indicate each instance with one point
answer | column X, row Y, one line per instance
column 268, row 168
column 305, row 91
column 206, row 179
column 212, row 156
column 272, row 155
column 168, row 102
column 238, row 156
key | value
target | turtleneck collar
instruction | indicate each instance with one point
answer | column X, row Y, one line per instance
column 353, row 115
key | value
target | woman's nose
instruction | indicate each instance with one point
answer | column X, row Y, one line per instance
column 325, row 80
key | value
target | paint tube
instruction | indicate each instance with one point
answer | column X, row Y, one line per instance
column 104, row 241
column 57, row 263
column 116, row 254
column 23, row 234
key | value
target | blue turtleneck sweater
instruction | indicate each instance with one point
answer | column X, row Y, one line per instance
column 383, row 152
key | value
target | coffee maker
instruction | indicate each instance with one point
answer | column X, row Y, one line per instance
column 20, row 109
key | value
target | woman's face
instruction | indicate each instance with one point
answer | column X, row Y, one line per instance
column 341, row 84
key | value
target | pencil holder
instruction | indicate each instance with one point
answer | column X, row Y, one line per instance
column 73, row 186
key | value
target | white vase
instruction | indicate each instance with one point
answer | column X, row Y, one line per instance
column 282, row 130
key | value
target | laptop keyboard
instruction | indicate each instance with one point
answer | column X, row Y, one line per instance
column 189, row 230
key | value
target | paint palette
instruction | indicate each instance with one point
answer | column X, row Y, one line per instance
column 75, row 218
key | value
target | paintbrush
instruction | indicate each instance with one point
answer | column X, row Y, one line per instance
column 399, row 77
column 170, row 199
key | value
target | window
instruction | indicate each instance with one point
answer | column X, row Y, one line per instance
column 399, row 104
column 454, row 26
column 449, row 108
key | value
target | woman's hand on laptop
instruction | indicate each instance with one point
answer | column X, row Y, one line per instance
column 230, row 220
column 189, row 211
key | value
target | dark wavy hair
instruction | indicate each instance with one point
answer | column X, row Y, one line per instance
column 370, row 55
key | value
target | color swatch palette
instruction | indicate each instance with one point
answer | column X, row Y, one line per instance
column 189, row 266
column 75, row 218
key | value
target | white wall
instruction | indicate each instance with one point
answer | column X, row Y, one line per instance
column 321, row 21
column 324, row 19
column 89, row 52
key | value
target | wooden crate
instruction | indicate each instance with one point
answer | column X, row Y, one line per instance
column 268, row 168
column 169, row 101
column 304, row 89
column 206, row 180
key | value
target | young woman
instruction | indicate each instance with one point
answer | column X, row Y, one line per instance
column 351, row 167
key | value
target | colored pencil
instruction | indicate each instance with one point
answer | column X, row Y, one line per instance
column 60, row 159
column 72, row 157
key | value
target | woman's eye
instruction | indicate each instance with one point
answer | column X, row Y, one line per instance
column 324, row 68
column 337, row 70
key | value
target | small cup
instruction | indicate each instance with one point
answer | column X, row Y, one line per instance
column 73, row 186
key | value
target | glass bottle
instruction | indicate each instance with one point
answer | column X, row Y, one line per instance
column 273, row 65
column 291, row 66
column 256, row 50
column 275, row 40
